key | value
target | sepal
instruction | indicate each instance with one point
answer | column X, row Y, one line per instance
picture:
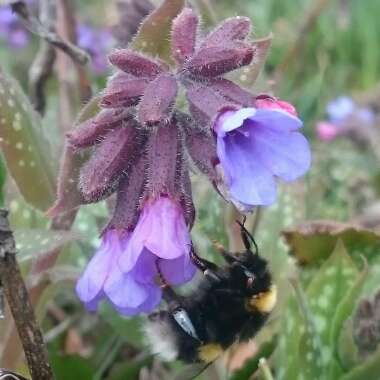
column 184, row 34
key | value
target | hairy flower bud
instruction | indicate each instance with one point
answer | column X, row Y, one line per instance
column 162, row 148
column 232, row 29
column 135, row 63
column 93, row 130
column 218, row 60
column 205, row 104
column 232, row 92
column 158, row 100
column 184, row 34
column 129, row 194
column 112, row 157
column 123, row 90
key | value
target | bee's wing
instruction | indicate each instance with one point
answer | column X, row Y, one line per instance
column 8, row 375
column 191, row 371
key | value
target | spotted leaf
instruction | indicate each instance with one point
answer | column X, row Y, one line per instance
column 25, row 148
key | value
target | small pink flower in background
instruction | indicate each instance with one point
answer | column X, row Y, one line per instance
column 343, row 117
column 256, row 145
column 327, row 131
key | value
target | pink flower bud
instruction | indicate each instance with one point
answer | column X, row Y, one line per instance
column 232, row 29
column 271, row 103
column 157, row 102
column 111, row 159
column 184, row 33
column 123, row 90
column 135, row 63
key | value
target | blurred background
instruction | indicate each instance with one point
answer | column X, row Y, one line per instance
column 322, row 237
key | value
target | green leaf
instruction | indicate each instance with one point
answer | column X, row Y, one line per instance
column 312, row 242
column 251, row 365
column 347, row 350
column 71, row 367
column 326, row 291
column 24, row 146
column 346, row 307
column 154, row 36
column 368, row 370
column 33, row 243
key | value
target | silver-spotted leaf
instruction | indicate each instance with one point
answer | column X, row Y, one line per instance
column 24, row 146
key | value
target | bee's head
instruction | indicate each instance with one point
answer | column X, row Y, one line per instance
column 249, row 268
column 252, row 273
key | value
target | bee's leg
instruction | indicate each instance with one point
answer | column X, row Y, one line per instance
column 226, row 255
column 247, row 237
column 168, row 294
column 176, row 308
column 208, row 268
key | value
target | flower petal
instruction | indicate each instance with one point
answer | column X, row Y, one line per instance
column 123, row 291
column 161, row 229
column 248, row 180
column 230, row 120
column 277, row 120
column 177, row 271
column 286, row 155
column 153, row 300
column 90, row 285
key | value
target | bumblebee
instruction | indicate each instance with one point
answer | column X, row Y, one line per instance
column 230, row 304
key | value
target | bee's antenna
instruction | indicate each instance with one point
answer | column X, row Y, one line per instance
column 246, row 236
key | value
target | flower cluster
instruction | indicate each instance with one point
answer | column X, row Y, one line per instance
column 143, row 145
column 344, row 117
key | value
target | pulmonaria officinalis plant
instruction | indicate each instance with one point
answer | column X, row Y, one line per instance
column 141, row 144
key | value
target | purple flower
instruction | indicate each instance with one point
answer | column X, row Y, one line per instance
column 103, row 278
column 11, row 29
column 97, row 42
column 160, row 241
column 256, row 145
column 125, row 268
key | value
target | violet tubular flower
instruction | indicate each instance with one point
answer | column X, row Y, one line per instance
column 104, row 279
column 160, row 242
column 254, row 146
